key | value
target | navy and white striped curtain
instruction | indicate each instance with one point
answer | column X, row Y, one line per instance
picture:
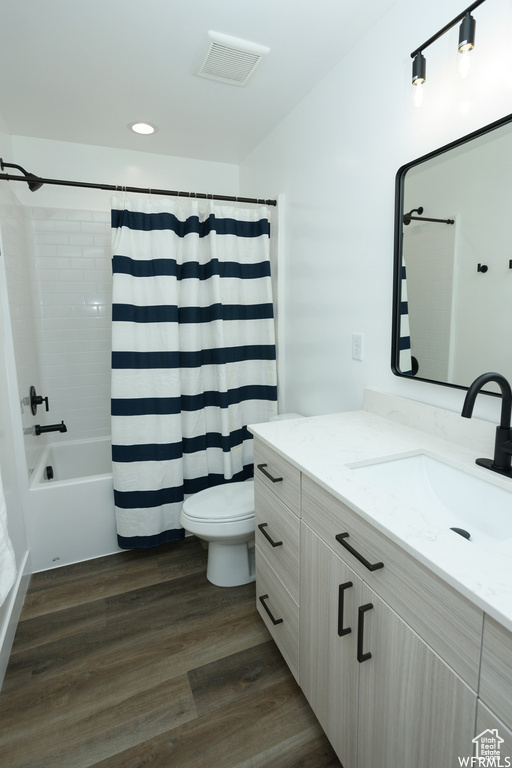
column 405, row 358
column 193, row 355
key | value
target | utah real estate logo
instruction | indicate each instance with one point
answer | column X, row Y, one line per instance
column 487, row 752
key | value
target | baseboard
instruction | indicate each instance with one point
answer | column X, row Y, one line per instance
column 10, row 614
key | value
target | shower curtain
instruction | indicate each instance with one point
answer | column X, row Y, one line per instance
column 405, row 358
column 193, row 355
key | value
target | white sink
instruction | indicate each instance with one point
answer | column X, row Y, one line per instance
column 445, row 496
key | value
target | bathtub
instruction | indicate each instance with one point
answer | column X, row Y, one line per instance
column 71, row 515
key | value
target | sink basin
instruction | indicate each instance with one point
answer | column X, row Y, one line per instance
column 445, row 496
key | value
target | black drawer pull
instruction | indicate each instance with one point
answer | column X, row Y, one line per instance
column 261, row 467
column 341, row 602
column 262, row 601
column 262, row 527
column 360, row 633
column 371, row 566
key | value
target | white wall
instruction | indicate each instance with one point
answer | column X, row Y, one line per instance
column 335, row 158
column 104, row 165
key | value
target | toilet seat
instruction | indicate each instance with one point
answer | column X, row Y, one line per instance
column 228, row 503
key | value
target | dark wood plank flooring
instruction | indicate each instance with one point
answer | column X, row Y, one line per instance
column 137, row 661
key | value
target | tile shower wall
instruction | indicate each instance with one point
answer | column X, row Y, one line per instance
column 74, row 283
column 17, row 260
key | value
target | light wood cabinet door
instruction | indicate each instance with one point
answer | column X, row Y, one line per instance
column 442, row 617
column 382, row 696
column 489, row 728
column 330, row 594
column 496, row 672
column 413, row 709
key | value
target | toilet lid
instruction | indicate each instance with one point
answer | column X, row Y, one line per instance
column 231, row 501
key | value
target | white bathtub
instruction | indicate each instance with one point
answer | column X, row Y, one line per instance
column 71, row 517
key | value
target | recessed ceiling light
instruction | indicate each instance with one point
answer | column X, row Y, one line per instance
column 144, row 128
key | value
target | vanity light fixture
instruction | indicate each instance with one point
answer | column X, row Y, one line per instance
column 466, row 41
column 467, row 34
column 419, row 69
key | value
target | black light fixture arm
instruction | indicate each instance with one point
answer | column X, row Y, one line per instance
column 448, row 26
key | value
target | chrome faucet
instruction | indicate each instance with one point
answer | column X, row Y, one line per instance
column 502, row 461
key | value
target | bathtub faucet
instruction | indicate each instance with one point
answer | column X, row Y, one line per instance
column 39, row 430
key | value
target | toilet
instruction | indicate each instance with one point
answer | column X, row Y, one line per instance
column 224, row 517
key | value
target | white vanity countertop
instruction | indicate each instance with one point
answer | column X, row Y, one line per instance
column 322, row 447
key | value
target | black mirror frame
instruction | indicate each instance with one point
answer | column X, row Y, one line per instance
column 398, row 241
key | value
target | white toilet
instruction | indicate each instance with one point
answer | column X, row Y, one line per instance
column 224, row 517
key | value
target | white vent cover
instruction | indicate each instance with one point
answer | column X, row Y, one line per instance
column 230, row 60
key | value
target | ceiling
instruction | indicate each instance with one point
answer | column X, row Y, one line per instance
column 82, row 70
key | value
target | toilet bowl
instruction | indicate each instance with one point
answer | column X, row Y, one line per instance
column 224, row 517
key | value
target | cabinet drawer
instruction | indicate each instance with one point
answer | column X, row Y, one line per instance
column 282, row 527
column 282, row 607
column 285, row 482
column 446, row 620
column 496, row 673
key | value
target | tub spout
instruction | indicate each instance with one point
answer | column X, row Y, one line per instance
column 39, row 430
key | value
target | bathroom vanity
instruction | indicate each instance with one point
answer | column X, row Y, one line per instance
column 397, row 628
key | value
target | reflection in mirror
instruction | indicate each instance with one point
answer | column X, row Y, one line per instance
column 452, row 303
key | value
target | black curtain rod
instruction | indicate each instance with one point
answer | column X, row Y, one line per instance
column 408, row 217
column 140, row 190
column 424, row 218
column 448, row 26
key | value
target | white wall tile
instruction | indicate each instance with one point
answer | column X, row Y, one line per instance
column 74, row 285
column 18, row 261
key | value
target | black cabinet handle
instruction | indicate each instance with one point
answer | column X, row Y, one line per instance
column 371, row 566
column 360, row 633
column 262, row 601
column 262, row 527
column 341, row 602
column 261, row 467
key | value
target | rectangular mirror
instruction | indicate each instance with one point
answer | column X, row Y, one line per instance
column 452, row 294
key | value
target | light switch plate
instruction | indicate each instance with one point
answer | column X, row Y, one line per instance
column 357, row 346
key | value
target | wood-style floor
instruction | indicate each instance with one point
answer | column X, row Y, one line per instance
column 137, row 661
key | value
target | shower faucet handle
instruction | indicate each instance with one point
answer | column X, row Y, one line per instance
column 36, row 400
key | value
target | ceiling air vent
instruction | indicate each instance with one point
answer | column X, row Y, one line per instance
column 230, row 60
